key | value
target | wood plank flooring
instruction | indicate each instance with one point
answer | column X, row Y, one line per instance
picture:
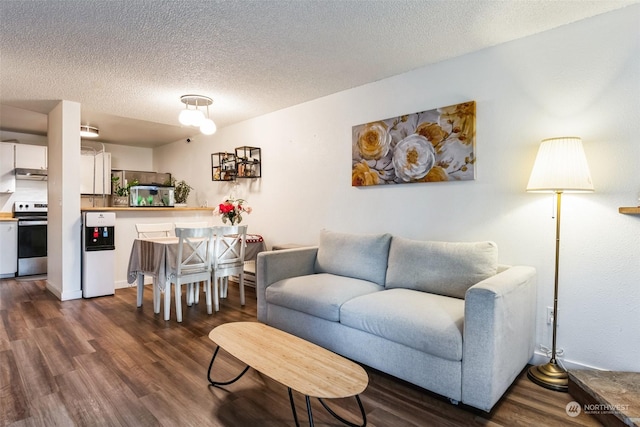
column 105, row 362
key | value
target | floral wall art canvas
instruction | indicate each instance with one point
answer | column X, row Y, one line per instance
column 430, row 146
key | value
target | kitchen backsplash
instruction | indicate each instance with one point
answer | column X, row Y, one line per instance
column 25, row 190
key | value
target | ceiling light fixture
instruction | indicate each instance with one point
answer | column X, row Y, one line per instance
column 87, row 131
column 194, row 116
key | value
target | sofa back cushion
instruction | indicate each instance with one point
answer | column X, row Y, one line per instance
column 361, row 256
column 444, row 268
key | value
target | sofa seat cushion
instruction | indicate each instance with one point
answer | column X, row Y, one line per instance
column 361, row 256
column 426, row 322
column 319, row 295
column 444, row 268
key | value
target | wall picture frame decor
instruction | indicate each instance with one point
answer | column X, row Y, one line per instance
column 430, row 146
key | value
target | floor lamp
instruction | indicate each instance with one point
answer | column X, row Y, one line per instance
column 560, row 166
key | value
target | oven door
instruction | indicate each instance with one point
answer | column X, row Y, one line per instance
column 32, row 247
column 32, row 239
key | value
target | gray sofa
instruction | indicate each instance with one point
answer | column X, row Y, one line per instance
column 444, row 316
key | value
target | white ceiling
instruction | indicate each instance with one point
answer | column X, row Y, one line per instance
column 129, row 61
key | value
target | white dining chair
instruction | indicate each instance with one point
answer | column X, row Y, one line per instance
column 146, row 231
column 228, row 260
column 192, row 264
column 196, row 224
column 193, row 289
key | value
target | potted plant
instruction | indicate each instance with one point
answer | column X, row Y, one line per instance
column 181, row 193
column 120, row 193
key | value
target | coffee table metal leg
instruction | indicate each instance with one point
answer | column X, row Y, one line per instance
column 309, row 411
column 338, row 417
column 293, row 407
column 218, row 383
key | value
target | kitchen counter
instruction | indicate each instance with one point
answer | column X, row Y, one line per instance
column 7, row 216
column 142, row 210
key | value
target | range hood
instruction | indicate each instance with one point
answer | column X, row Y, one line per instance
column 32, row 174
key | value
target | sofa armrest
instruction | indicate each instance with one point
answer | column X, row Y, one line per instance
column 273, row 266
column 499, row 334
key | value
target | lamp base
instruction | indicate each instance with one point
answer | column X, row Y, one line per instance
column 550, row 375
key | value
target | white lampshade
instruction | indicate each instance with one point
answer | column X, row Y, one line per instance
column 560, row 166
column 208, row 127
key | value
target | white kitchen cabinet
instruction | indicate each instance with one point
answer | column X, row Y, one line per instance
column 7, row 175
column 31, row 156
column 8, row 248
column 96, row 167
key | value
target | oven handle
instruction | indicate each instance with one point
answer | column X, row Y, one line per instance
column 29, row 223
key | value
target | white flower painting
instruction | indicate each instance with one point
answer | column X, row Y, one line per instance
column 431, row 146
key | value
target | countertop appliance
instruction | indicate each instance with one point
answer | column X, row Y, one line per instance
column 98, row 254
column 32, row 237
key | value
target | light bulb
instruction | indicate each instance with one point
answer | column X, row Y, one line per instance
column 185, row 117
column 197, row 117
column 208, row 127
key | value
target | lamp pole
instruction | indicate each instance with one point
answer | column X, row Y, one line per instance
column 555, row 283
column 551, row 375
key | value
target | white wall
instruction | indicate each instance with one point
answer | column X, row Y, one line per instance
column 582, row 79
column 124, row 157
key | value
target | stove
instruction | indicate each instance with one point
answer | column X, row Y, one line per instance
column 32, row 237
column 27, row 209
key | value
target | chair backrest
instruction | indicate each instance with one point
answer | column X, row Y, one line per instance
column 197, row 224
column 229, row 249
column 154, row 230
column 195, row 250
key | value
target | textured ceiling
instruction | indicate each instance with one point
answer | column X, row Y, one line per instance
column 129, row 61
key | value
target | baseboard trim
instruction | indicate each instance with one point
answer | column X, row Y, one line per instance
column 541, row 358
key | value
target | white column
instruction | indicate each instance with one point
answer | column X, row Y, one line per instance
column 63, row 242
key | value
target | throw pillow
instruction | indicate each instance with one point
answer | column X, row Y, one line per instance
column 444, row 268
column 361, row 256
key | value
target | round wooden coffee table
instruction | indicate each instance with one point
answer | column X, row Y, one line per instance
column 297, row 364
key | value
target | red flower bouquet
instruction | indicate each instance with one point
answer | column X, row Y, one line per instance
column 231, row 210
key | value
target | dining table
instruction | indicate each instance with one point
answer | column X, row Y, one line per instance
column 156, row 257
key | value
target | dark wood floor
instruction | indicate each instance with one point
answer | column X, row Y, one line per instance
column 104, row 362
